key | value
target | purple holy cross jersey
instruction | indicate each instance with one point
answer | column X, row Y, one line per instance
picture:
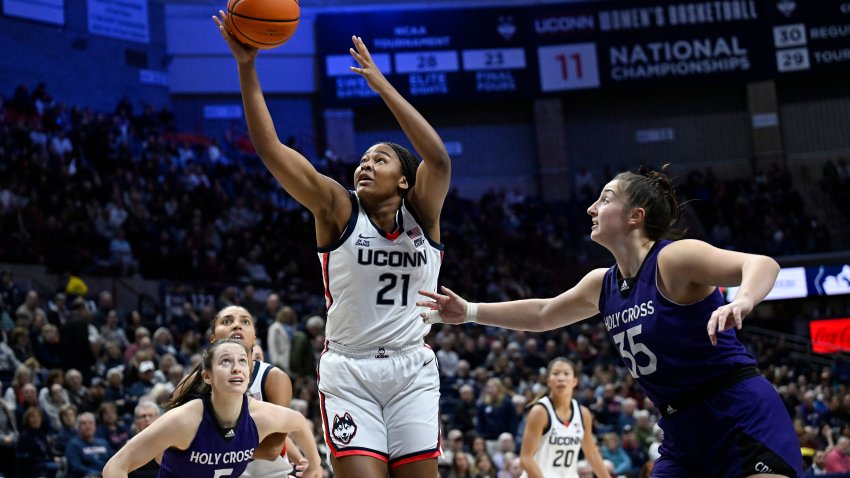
column 214, row 452
column 664, row 344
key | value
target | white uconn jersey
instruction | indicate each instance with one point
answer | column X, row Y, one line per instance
column 279, row 467
column 372, row 280
column 557, row 455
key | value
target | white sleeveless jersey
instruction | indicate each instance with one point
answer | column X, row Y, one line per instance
column 372, row 280
column 279, row 467
column 557, row 455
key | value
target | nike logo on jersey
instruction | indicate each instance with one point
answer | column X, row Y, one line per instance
column 426, row 363
column 361, row 236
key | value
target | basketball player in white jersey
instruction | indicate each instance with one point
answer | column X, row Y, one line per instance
column 268, row 384
column 557, row 428
column 378, row 382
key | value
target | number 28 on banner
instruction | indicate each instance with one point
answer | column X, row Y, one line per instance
column 568, row 67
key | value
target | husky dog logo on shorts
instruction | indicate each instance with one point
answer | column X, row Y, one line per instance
column 344, row 428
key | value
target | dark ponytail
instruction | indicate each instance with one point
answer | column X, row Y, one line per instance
column 654, row 192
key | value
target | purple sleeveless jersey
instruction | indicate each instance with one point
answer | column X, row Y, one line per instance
column 665, row 345
column 214, row 452
column 737, row 430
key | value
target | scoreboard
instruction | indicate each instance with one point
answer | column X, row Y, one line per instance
column 533, row 51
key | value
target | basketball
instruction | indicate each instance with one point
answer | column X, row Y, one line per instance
column 263, row 24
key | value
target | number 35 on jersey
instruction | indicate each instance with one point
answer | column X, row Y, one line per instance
column 568, row 67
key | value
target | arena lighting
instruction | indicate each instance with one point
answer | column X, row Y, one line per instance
column 830, row 336
column 809, row 281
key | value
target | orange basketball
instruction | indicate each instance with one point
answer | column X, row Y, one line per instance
column 263, row 24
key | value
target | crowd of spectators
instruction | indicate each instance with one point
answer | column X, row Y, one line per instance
column 125, row 193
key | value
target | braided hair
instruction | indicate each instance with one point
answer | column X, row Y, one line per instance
column 409, row 164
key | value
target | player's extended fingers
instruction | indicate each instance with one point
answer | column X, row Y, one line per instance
column 430, row 294
column 357, row 56
column 711, row 328
column 738, row 314
column 361, row 47
column 449, row 293
column 426, row 303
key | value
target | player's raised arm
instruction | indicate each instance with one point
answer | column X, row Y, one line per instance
column 434, row 174
column 296, row 175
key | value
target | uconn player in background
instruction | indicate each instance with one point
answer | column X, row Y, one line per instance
column 215, row 435
column 379, row 244
column 662, row 307
column 558, row 427
column 268, row 384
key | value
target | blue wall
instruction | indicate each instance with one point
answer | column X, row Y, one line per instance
column 79, row 68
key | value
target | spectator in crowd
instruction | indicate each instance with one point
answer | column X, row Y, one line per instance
column 143, row 385
column 280, row 335
column 87, row 454
column 614, row 452
column 111, row 428
column 483, row 466
column 76, row 351
column 111, row 330
column 57, row 310
column 8, row 442
column 636, row 453
column 20, row 343
column 302, row 362
column 29, row 399
column 52, row 402
column 454, row 444
column 48, row 347
column 465, row 414
column 838, row 459
column 12, row 294
column 34, row 452
column 121, row 257
column 818, row 467
column 114, row 391
column 145, row 414
column 496, row 414
column 78, row 394
column 462, row 466
column 9, row 366
column 506, row 448
column 67, row 427
column 30, row 307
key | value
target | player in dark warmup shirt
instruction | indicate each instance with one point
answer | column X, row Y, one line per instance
column 662, row 307
column 216, row 435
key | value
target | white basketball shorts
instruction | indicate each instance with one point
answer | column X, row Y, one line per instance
column 380, row 402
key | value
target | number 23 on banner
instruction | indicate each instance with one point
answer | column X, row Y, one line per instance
column 568, row 67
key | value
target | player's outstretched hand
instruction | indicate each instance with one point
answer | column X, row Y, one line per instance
column 445, row 309
column 368, row 69
column 244, row 54
column 728, row 316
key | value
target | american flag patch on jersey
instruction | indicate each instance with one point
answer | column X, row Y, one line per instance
column 414, row 233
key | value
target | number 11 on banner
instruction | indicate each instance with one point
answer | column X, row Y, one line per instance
column 568, row 67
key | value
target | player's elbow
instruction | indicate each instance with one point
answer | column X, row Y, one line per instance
column 113, row 468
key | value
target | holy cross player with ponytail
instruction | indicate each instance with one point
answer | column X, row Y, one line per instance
column 215, row 435
column 662, row 306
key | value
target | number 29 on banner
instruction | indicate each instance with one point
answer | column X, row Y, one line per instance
column 568, row 67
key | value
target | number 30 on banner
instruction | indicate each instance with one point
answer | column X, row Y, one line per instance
column 568, row 67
